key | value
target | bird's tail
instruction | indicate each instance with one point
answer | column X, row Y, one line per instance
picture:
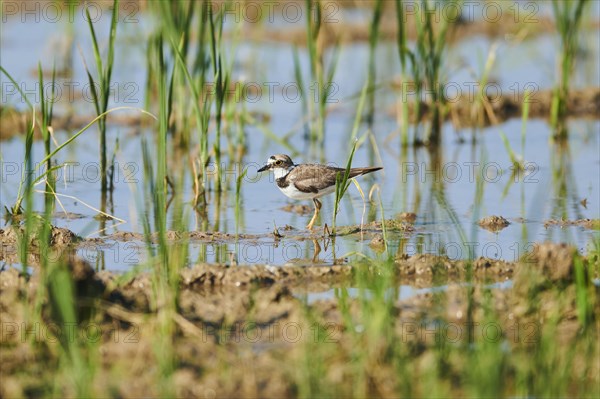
column 363, row 171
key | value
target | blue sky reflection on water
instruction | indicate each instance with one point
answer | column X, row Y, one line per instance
column 406, row 183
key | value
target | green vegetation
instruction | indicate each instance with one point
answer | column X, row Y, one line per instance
column 427, row 61
column 371, row 76
column 321, row 73
column 404, row 52
column 47, row 105
column 568, row 16
column 101, row 87
column 342, row 183
column 388, row 324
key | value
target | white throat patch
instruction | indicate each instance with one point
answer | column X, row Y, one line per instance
column 281, row 172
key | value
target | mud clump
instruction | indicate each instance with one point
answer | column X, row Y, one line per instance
column 377, row 243
column 423, row 264
column 591, row 224
column 549, row 265
column 62, row 237
column 217, row 275
column 397, row 225
column 554, row 260
column 125, row 236
column 408, row 217
column 215, row 307
column 376, row 226
column 499, row 267
column 61, row 242
column 215, row 236
column 427, row 267
column 88, row 288
column 175, row 236
column 58, row 237
column 493, row 223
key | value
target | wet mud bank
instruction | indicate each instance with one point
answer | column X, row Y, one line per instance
column 476, row 110
column 253, row 320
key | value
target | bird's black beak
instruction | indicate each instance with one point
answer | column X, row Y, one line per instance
column 266, row 167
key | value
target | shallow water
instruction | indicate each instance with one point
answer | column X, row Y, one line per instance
column 403, row 292
column 553, row 186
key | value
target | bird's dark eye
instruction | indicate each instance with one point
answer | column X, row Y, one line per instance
column 278, row 162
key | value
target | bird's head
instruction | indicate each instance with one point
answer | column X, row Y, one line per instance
column 278, row 161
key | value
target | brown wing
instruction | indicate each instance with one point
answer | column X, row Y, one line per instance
column 312, row 178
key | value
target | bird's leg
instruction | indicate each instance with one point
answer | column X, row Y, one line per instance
column 317, row 251
column 314, row 218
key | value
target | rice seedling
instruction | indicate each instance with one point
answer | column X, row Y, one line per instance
column 404, row 53
column 488, row 355
column 73, row 355
column 301, row 93
column 321, row 75
column 426, row 59
column 514, row 159
column 568, row 16
column 373, row 39
column 482, row 107
column 342, row 182
column 176, row 21
column 166, row 259
column 46, row 108
column 384, row 231
column 525, row 118
column 43, row 224
column 54, row 292
column 101, row 95
column 584, row 297
column 202, row 117
column 518, row 161
column 429, row 51
column 25, row 193
column 200, row 68
column 313, row 26
column 160, row 176
column 238, row 197
column 27, row 179
column 341, row 186
column 26, row 182
column 564, row 185
column 221, row 82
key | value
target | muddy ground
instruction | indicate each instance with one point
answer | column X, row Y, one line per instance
column 237, row 329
